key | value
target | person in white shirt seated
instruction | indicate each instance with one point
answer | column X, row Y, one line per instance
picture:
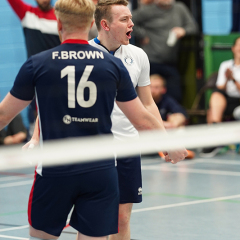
column 226, row 97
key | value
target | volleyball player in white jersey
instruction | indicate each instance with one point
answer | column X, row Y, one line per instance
column 114, row 23
column 113, row 20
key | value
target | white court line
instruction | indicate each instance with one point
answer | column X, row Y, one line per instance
column 4, row 179
column 193, row 161
column 162, row 163
column 186, row 203
column 189, row 170
column 12, row 237
column 13, row 228
column 219, row 161
column 14, row 184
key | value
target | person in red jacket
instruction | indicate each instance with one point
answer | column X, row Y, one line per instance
column 39, row 25
column 40, row 31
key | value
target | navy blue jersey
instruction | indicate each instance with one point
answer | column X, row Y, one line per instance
column 75, row 86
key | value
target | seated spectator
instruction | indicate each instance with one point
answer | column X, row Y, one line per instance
column 15, row 133
column 226, row 97
column 172, row 113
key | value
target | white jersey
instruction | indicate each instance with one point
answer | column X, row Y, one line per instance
column 231, row 89
column 137, row 64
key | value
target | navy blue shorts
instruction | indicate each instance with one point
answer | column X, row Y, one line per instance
column 130, row 179
column 94, row 195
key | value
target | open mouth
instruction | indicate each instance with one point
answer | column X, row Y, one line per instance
column 129, row 34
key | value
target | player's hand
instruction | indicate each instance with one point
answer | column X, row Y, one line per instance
column 175, row 156
column 31, row 144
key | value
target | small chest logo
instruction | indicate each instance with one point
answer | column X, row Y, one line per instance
column 67, row 119
column 128, row 60
column 140, row 191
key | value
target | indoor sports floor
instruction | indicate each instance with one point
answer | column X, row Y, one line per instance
column 193, row 200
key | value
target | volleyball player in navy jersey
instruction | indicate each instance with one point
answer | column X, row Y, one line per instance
column 113, row 19
column 75, row 86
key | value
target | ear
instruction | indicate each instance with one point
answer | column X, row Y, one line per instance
column 93, row 21
column 105, row 25
column 59, row 25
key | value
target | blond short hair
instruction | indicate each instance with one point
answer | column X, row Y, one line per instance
column 103, row 10
column 75, row 14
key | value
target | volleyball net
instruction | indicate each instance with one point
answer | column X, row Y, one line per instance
column 84, row 149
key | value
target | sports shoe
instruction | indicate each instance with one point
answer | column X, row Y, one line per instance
column 210, row 152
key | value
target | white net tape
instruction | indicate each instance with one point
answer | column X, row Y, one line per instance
column 101, row 147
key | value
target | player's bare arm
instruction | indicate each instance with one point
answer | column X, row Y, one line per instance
column 9, row 108
column 144, row 94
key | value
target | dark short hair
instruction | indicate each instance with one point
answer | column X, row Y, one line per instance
column 103, row 9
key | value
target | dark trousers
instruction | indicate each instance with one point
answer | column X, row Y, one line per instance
column 172, row 77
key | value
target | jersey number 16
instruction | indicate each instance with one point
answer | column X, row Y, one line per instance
column 69, row 71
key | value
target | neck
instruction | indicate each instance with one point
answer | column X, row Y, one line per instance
column 74, row 36
column 107, row 41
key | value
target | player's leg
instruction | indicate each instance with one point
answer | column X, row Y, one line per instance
column 39, row 235
column 49, row 204
column 130, row 187
column 81, row 236
column 124, row 216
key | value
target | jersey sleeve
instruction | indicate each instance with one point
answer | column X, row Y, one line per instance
column 144, row 78
column 125, row 91
column 19, row 7
column 24, row 87
column 221, row 80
